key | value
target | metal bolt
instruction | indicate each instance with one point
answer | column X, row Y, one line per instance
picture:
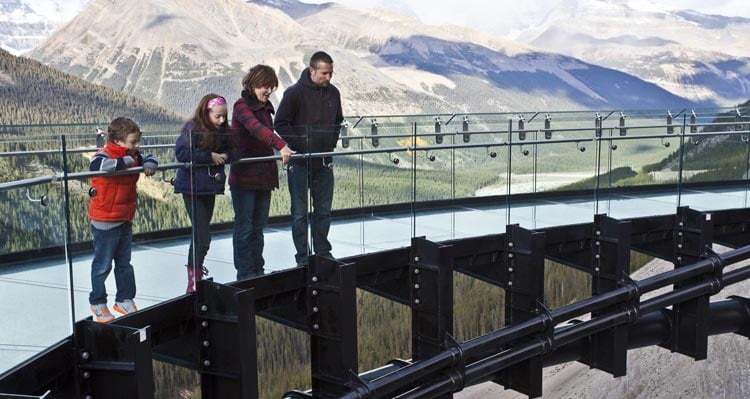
column 597, row 256
column 510, row 270
column 315, row 309
column 85, row 355
column 206, row 363
column 510, row 244
column 598, row 233
column 86, row 374
column 416, row 301
column 416, row 258
column 206, row 343
column 416, row 271
column 316, row 326
column 510, row 255
column 679, row 233
column 679, row 258
column 598, row 243
column 204, row 308
column 315, row 279
column 315, row 292
column 88, row 397
column 510, row 283
column 596, row 269
column 416, row 286
column 682, row 224
column 204, row 324
column 679, row 245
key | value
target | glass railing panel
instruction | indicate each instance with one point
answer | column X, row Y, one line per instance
column 549, row 154
column 715, row 160
column 374, row 184
column 461, row 188
column 35, row 283
column 631, row 184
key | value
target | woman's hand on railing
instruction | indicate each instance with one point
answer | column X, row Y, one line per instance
column 286, row 152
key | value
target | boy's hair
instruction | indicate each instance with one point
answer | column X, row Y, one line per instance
column 318, row 57
column 260, row 76
column 202, row 121
column 120, row 128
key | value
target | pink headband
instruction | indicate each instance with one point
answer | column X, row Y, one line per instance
column 215, row 101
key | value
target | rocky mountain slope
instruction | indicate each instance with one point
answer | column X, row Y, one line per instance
column 693, row 55
column 174, row 51
column 26, row 23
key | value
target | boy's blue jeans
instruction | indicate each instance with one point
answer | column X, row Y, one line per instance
column 250, row 218
column 112, row 245
column 320, row 183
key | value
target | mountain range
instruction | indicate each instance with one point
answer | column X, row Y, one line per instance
column 172, row 52
column 693, row 55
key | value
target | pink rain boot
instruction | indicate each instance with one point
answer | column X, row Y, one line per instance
column 191, row 280
column 194, row 274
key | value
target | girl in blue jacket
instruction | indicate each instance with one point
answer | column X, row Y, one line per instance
column 204, row 142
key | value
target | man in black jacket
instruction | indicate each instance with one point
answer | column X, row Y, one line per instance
column 309, row 119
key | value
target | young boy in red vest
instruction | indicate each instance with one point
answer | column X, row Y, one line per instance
column 111, row 210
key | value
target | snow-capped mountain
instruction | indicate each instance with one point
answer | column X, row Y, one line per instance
column 698, row 56
column 26, row 23
column 174, row 51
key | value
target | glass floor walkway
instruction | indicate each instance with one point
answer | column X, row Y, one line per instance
column 35, row 301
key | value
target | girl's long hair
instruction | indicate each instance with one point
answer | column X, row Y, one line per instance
column 202, row 122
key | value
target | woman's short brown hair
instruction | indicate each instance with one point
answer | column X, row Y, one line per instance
column 260, row 76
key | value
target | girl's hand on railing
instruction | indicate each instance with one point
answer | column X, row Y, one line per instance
column 219, row 159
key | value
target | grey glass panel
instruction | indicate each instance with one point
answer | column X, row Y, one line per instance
column 35, row 298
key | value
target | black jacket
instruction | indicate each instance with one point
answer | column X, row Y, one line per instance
column 308, row 109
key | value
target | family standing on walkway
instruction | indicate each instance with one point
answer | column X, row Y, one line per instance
column 307, row 121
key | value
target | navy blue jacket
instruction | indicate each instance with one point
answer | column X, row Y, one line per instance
column 204, row 180
column 308, row 109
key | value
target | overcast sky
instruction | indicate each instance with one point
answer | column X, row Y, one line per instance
column 498, row 16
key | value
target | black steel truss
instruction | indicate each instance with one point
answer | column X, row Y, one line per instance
column 213, row 330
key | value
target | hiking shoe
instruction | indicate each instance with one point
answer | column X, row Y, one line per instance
column 101, row 313
column 126, row 306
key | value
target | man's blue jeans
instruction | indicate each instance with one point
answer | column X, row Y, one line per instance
column 113, row 244
column 320, row 183
column 250, row 218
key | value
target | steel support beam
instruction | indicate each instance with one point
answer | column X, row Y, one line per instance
column 110, row 356
column 524, row 300
column 332, row 312
column 226, row 333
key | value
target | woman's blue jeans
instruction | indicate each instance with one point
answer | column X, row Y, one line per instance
column 250, row 218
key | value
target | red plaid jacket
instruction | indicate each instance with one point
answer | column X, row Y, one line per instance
column 253, row 136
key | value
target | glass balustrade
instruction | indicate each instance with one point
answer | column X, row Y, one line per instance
column 396, row 177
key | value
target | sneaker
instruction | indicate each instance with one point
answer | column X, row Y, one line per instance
column 126, row 306
column 101, row 313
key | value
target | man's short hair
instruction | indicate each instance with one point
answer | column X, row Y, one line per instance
column 318, row 57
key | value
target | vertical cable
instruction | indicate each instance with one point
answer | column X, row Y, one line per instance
column 68, row 236
column 414, row 179
column 508, row 173
column 682, row 161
